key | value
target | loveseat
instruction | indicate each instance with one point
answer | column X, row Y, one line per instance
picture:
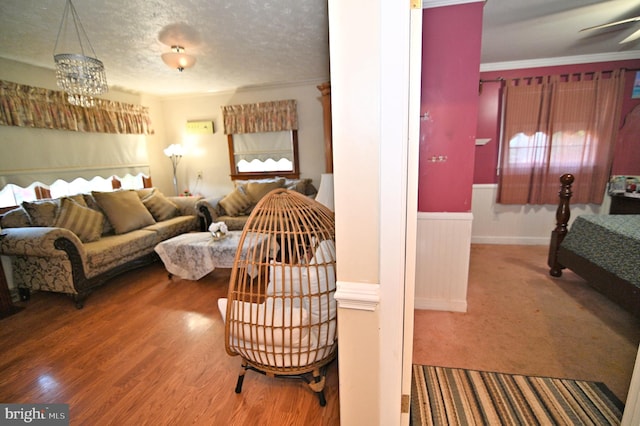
column 74, row 244
column 234, row 208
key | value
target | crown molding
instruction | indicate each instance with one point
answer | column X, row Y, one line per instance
column 427, row 4
column 566, row 60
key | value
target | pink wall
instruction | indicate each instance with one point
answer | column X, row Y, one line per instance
column 449, row 106
column 627, row 155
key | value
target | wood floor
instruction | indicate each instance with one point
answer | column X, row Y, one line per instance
column 146, row 349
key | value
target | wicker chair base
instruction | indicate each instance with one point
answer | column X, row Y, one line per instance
column 315, row 379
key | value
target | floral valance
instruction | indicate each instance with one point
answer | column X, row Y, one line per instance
column 27, row 106
column 276, row 116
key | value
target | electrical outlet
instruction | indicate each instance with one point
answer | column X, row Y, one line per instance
column 199, row 174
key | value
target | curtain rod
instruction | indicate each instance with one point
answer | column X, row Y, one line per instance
column 501, row 79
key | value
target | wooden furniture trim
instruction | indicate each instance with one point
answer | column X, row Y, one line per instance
column 83, row 285
column 563, row 213
column 325, row 90
column 7, row 307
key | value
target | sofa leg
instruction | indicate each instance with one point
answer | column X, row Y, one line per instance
column 24, row 293
column 79, row 299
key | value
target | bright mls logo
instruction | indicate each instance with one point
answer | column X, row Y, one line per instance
column 34, row 414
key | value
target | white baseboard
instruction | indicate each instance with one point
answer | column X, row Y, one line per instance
column 528, row 241
column 440, row 304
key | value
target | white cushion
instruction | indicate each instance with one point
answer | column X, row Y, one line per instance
column 270, row 323
column 325, row 253
column 285, row 279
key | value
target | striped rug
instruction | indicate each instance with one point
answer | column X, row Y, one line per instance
column 452, row 396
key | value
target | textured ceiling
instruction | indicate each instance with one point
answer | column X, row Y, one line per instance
column 242, row 42
column 256, row 42
column 521, row 30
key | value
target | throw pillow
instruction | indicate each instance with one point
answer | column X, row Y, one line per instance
column 16, row 218
column 79, row 198
column 161, row 207
column 303, row 186
column 145, row 192
column 124, row 209
column 42, row 212
column 91, row 203
column 82, row 221
column 257, row 190
column 236, row 202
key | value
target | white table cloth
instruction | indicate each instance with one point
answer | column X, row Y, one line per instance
column 193, row 255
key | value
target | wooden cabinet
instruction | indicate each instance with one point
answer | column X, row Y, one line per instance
column 622, row 204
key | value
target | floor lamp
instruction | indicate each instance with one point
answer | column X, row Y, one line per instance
column 174, row 152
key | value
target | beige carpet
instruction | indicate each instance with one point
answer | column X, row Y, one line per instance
column 522, row 321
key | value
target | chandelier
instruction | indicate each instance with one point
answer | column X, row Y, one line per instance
column 82, row 77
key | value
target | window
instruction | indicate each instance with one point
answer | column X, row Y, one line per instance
column 13, row 195
column 565, row 149
column 264, row 154
column 263, row 139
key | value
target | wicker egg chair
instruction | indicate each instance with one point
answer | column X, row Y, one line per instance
column 280, row 312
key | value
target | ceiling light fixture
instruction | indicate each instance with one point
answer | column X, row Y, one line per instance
column 81, row 76
column 178, row 59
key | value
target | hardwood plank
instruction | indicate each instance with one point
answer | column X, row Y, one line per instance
column 146, row 349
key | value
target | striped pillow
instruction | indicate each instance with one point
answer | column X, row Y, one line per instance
column 236, row 202
column 160, row 207
column 86, row 223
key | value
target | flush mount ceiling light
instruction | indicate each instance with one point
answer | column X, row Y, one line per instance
column 81, row 76
column 178, row 59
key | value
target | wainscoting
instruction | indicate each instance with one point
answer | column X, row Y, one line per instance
column 444, row 240
column 442, row 266
column 517, row 224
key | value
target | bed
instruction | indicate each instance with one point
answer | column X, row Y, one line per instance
column 602, row 249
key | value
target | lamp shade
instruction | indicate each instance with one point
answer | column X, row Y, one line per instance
column 325, row 192
column 178, row 59
column 174, row 149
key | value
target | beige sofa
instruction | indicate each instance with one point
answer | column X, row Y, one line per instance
column 234, row 208
column 74, row 244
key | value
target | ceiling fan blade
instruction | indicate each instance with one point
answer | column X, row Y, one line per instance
column 634, row 36
column 612, row 24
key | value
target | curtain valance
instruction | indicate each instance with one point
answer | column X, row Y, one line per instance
column 27, row 106
column 260, row 117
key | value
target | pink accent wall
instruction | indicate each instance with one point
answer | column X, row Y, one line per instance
column 449, row 106
column 627, row 154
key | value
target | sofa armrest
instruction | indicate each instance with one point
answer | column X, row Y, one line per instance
column 186, row 205
column 210, row 210
column 37, row 241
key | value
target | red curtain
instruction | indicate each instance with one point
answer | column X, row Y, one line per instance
column 555, row 125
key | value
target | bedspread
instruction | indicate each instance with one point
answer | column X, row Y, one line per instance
column 609, row 241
